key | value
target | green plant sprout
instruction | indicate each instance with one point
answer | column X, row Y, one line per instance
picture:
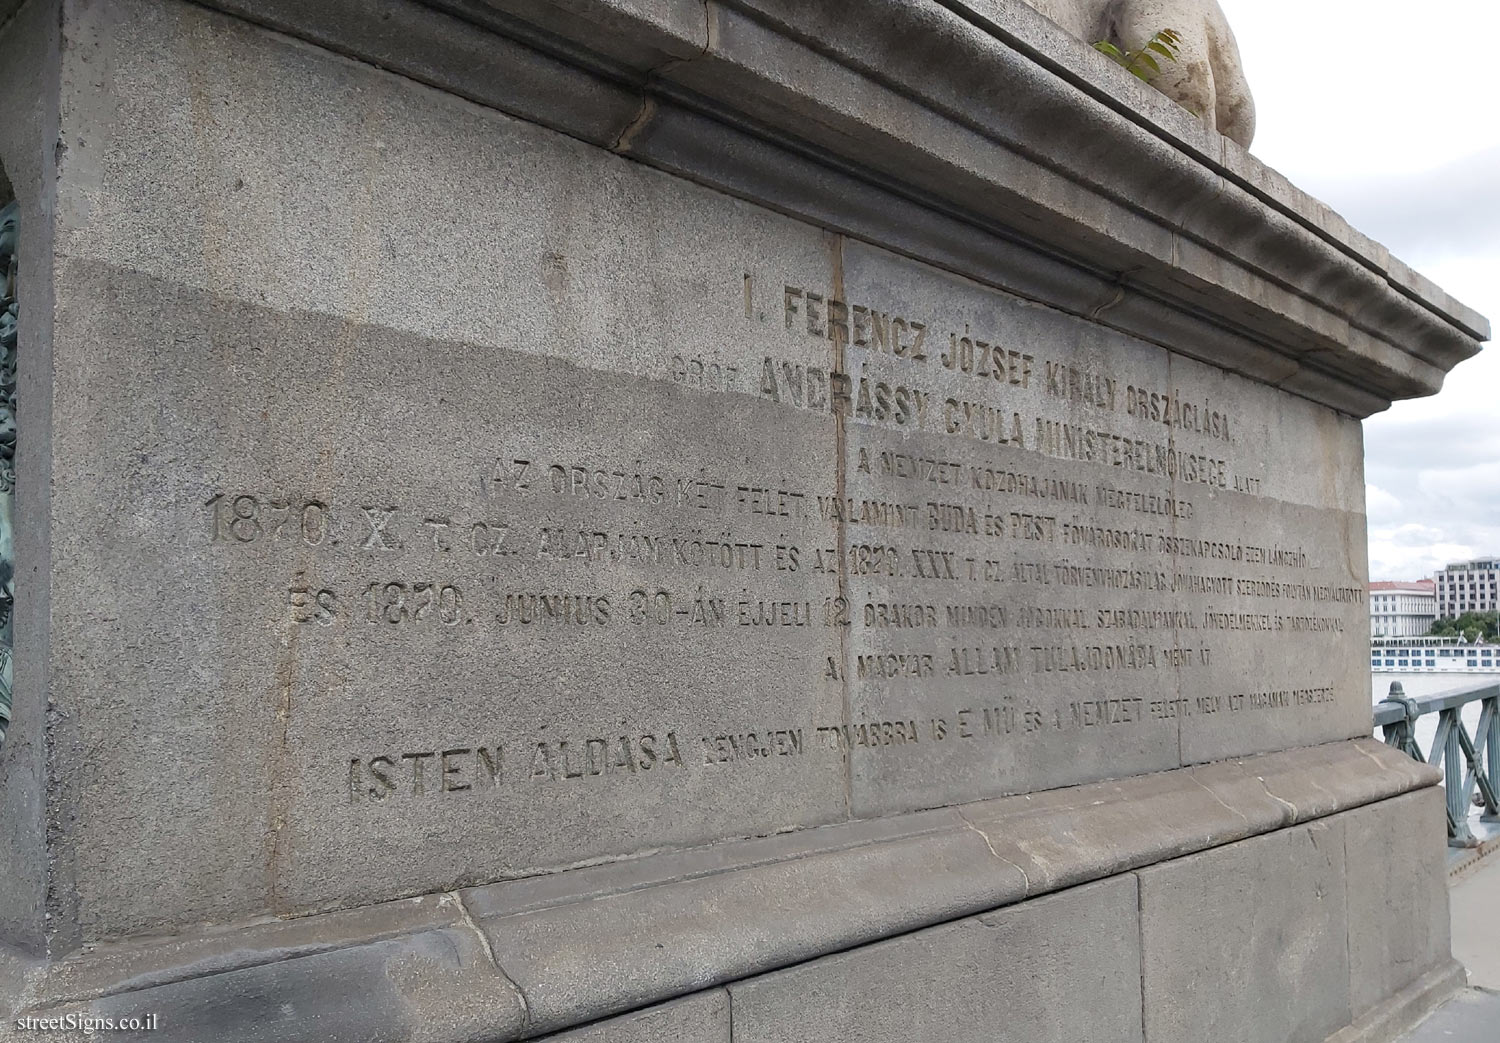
column 1143, row 63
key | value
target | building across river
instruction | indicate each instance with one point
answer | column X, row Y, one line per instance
column 1468, row 586
column 1402, row 609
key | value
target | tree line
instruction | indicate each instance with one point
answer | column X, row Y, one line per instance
column 1471, row 626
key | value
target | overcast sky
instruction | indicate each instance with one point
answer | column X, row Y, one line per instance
column 1389, row 111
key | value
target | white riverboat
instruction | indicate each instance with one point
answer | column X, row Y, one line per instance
column 1433, row 655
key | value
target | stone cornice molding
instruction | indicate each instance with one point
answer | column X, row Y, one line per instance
column 973, row 134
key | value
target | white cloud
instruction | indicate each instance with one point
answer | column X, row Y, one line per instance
column 1374, row 86
column 1408, row 552
column 1380, row 505
column 1466, row 488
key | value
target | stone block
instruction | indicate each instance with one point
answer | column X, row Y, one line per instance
column 1248, row 943
column 1062, row 969
column 523, row 526
column 1395, row 854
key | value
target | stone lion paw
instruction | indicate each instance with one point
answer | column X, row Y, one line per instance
column 1208, row 78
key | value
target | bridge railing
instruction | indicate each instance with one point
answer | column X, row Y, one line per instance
column 1467, row 762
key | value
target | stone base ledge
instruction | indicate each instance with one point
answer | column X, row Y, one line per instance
column 1407, row 1009
column 516, row 959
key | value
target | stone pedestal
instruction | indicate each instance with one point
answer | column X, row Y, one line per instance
column 820, row 521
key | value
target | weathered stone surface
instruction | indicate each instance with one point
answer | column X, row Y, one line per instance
column 782, row 913
column 1249, row 942
column 1067, row 837
column 598, row 941
column 505, row 579
column 518, row 507
column 934, row 60
column 1398, row 894
column 1017, row 975
column 702, row 1018
column 28, row 132
column 1397, row 1014
column 151, row 963
column 435, row 986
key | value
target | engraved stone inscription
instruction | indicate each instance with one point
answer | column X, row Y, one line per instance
column 1017, row 565
column 716, row 525
column 1013, row 553
column 451, row 500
